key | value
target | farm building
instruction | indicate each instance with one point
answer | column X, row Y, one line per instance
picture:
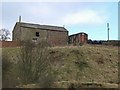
column 78, row 38
column 54, row 35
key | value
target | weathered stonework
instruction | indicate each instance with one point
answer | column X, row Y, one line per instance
column 54, row 35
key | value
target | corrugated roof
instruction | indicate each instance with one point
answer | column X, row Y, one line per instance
column 78, row 34
column 46, row 27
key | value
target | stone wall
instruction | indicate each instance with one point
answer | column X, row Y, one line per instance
column 9, row 44
column 57, row 38
column 53, row 36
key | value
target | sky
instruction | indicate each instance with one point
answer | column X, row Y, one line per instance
column 89, row 17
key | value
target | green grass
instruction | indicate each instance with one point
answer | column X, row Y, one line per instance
column 87, row 63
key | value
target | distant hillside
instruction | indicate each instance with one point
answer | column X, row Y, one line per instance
column 81, row 66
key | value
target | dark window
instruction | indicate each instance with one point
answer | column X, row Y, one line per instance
column 34, row 38
column 37, row 34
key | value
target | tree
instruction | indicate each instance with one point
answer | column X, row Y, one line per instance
column 4, row 34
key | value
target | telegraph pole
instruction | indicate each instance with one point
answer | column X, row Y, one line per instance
column 108, row 30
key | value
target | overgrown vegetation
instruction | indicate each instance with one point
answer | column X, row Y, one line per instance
column 9, row 78
column 32, row 64
column 39, row 66
column 80, row 59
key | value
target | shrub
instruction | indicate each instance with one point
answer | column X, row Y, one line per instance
column 33, row 64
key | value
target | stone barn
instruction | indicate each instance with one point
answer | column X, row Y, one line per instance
column 78, row 38
column 54, row 35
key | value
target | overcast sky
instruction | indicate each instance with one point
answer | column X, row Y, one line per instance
column 88, row 17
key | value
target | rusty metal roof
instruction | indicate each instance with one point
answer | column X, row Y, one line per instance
column 78, row 34
column 45, row 27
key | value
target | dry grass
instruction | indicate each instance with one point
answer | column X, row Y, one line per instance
column 77, row 64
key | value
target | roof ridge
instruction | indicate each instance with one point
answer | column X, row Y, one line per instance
column 50, row 27
column 41, row 24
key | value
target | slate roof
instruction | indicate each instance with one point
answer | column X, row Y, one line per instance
column 44, row 27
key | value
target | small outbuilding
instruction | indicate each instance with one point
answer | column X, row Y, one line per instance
column 78, row 38
column 54, row 35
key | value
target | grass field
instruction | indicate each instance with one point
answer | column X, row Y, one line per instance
column 76, row 66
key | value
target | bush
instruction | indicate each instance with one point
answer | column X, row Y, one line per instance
column 33, row 64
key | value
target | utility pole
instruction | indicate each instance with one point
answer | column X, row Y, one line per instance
column 108, row 30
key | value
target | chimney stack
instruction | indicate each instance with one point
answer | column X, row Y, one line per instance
column 19, row 19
